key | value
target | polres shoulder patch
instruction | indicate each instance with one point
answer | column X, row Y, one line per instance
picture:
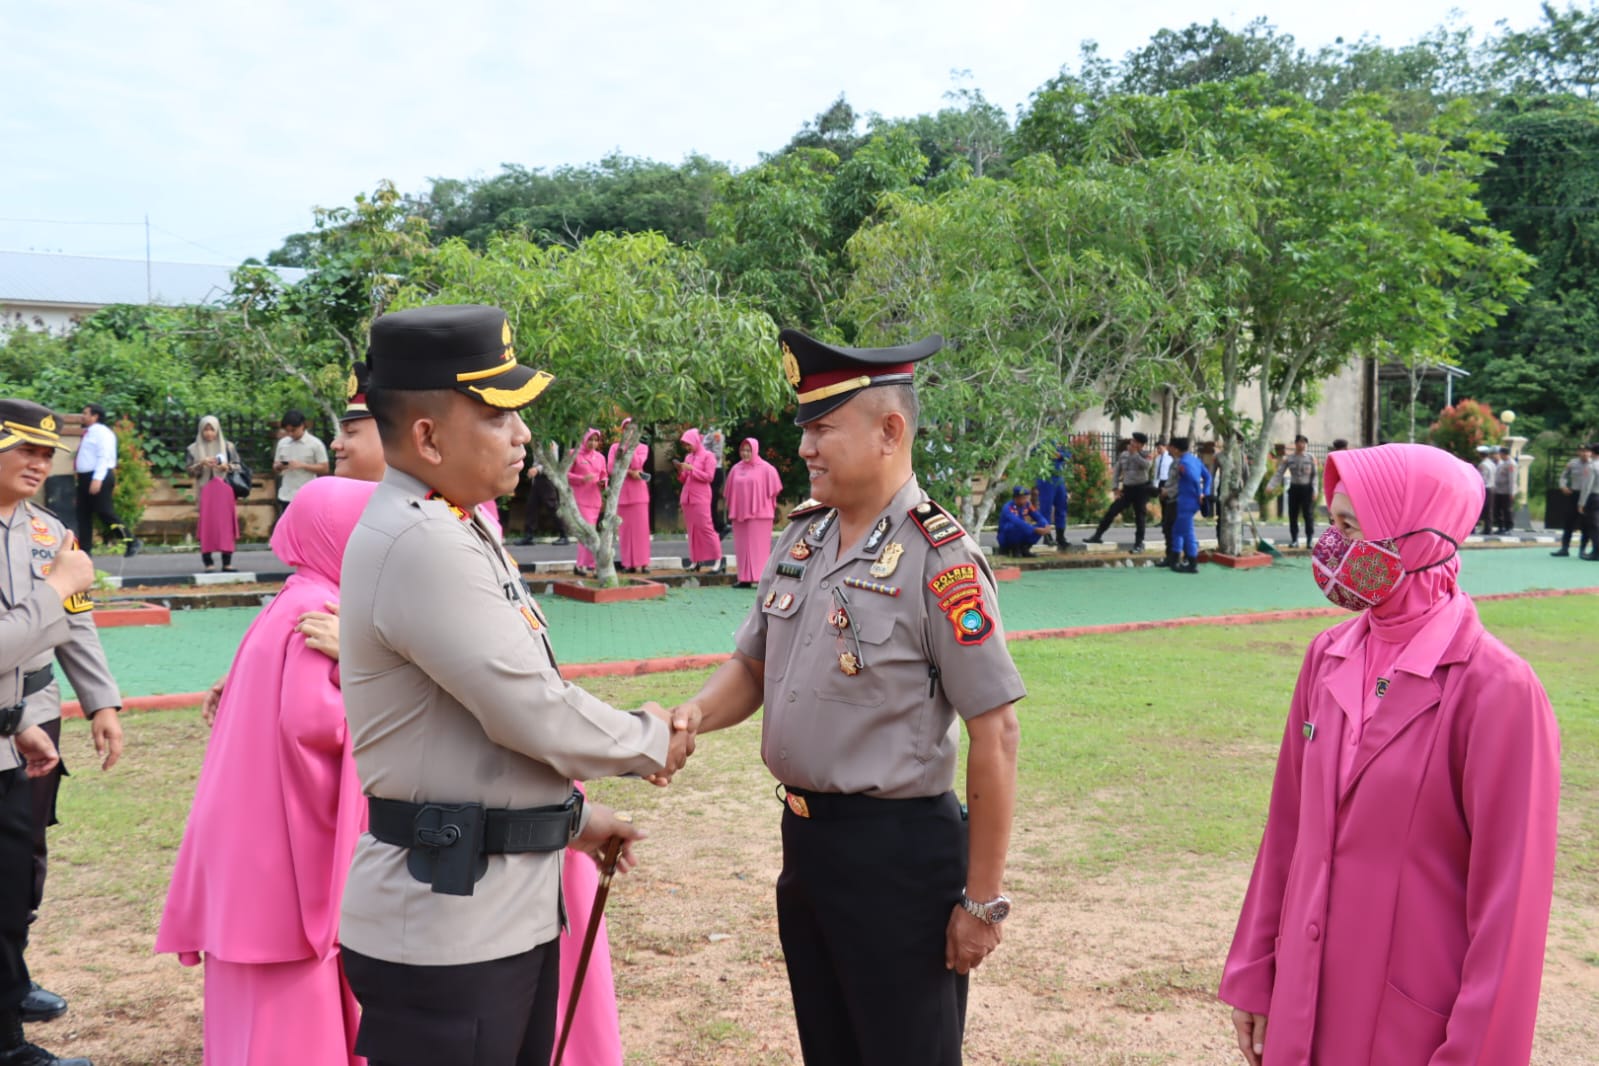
column 936, row 524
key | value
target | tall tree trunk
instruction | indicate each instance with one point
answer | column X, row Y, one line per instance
column 600, row 537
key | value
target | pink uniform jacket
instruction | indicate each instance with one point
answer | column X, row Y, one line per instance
column 1402, row 922
column 588, row 463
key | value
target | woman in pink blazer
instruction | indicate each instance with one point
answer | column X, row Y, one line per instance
column 696, row 471
column 587, row 477
column 633, row 506
column 752, row 489
column 1400, row 900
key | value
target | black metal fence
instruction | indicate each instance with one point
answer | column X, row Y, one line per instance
column 168, row 434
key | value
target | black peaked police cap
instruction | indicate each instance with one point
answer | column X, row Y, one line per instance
column 825, row 377
column 465, row 347
column 24, row 422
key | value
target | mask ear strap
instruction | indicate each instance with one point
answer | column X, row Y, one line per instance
column 1453, row 543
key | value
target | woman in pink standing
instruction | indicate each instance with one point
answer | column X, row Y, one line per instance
column 276, row 814
column 587, row 477
column 633, row 506
column 752, row 489
column 210, row 459
column 1400, row 900
column 696, row 471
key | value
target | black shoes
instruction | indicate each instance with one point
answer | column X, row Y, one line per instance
column 134, row 547
column 1095, row 539
column 1170, row 560
column 562, row 541
column 41, row 1005
column 15, row 1049
column 1138, row 546
column 1185, row 566
column 1562, row 553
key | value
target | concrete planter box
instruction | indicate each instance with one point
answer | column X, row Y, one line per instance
column 131, row 613
column 629, row 589
column 1236, row 562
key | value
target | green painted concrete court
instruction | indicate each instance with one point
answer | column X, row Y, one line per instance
column 199, row 645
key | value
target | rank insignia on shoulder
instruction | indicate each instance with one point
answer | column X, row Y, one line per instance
column 936, row 524
column 808, row 507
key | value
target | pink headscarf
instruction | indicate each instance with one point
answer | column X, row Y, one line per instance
column 691, row 437
column 278, row 807
column 1405, row 488
column 590, row 435
column 752, row 486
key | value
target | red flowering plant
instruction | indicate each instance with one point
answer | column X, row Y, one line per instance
column 1087, row 478
column 1461, row 428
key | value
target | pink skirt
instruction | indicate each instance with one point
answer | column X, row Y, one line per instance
column 704, row 546
column 591, row 514
column 635, row 533
column 752, row 543
column 219, row 517
column 275, row 1013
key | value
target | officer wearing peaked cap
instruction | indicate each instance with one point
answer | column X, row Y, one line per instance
column 465, row 735
column 44, row 617
column 875, row 629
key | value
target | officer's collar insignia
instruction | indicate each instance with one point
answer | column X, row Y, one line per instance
column 888, row 562
column 456, row 511
column 819, row 528
column 875, row 540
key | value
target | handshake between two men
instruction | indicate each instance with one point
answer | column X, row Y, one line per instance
column 605, row 823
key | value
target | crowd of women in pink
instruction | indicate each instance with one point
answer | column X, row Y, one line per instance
column 753, row 486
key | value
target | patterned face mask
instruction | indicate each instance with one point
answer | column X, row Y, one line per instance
column 1357, row 575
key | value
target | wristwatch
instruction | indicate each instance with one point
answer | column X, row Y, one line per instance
column 993, row 912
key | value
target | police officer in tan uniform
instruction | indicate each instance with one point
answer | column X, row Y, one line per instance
column 43, row 613
column 465, row 735
column 875, row 629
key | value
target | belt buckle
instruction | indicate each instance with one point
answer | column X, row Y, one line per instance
column 797, row 804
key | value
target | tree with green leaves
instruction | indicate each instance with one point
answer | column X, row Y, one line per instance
column 631, row 326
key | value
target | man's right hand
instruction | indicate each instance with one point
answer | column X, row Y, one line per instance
column 603, row 824
column 71, row 572
column 684, row 721
column 1251, row 1035
column 37, row 751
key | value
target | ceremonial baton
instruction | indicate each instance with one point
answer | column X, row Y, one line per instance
column 608, row 860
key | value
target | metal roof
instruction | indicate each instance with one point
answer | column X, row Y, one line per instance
column 78, row 280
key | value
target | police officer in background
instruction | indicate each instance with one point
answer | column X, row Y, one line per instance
column 1299, row 468
column 44, row 612
column 875, row 627
column 1131, row 479
column 465, row 735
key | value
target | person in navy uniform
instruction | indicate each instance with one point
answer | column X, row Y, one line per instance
column 875, row 629
column 1020, row 526
column 1053, row 497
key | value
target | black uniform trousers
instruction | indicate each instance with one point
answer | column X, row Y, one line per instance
column 1576, row 518
column 1134, row 496
column 45, row 789
column 495, row 1013
column 1168, row 519
column 543, row 508
column 1504, row 519
column 863, row 904
column 98, row 504
column 16, row 885
column 1302, row 502
column 1590, row 525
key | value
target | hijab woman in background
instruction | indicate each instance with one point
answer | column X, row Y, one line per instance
column 633, row 506
column 696, row 471
column 209, row 460
column 1400, row 900
column 276, row 814
column 753, row 486
column 587, row 477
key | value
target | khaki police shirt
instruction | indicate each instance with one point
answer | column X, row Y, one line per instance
column 1301, row 469
column 890, row 730
column 1132, row 470
column 35, row 629
column 453, row 696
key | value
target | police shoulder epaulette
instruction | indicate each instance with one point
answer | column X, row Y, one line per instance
column 936, row 524
column 42, row 509
column 806, row 508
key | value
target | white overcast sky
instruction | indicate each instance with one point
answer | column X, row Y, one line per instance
column 226, row 123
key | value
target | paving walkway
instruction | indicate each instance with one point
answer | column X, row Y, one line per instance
column 199, row 645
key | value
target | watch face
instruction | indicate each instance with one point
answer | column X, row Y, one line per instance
column 998, row 911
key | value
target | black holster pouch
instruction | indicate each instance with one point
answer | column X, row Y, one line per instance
column 447, row 847
column 36, row 681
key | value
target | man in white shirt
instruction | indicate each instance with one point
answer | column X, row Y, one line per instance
column 299, row 459
column 1487, row 467
column 96, row 464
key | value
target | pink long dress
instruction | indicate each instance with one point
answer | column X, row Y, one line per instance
column 587, row 477
column 633, row 508
column 1400, row 901
column 752, row 489
column 276, row 815
column 704, row 546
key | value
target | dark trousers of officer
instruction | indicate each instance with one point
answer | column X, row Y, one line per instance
column 1168, row 520
column 495, row 1013
column 1302, row 502
column 1488, row 511
column 16, row 885
column 1503, row 519
column 92, row 505
column 1576, row 518
column 1134, row 496
column 44, row 791
column 863, row 903
column 543, row 508
column 1590, row 526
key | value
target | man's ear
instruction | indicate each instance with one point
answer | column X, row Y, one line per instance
column 424, row 440
column 892, row 428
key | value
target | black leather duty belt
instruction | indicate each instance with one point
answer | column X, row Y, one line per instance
column 449, row 844
column 803, row 803
column 34, row 681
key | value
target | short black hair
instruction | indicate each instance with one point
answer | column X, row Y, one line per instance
column 395, row 410
column 1141, row 438
column 96, row 410
column 1180, row 443
column 1300, row 438
column 1503, row 450
column 293, row 417
column 1339, row 444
